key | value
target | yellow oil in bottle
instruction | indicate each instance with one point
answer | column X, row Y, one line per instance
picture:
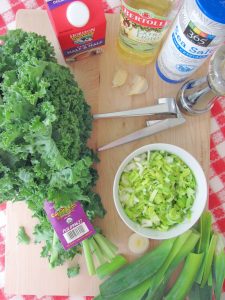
column 143, row 24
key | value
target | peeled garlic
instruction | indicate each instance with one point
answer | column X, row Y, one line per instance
column 139, row 86
column 119, row 78
column 138, row 244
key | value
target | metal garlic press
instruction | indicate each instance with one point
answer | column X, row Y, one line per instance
column 165, row 106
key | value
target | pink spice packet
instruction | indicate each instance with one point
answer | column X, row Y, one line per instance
column 70, row 223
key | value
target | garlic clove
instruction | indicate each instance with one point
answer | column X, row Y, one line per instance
column 119, row 78
column 139, row 86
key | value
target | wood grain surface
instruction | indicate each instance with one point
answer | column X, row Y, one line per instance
column 26, row 272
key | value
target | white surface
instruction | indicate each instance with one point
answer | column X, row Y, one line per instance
column 214, row 126
column 220, row 148
column 78, row 14
column 5, row 4
column 2, row 218
column 216, row 184
column 199, row 203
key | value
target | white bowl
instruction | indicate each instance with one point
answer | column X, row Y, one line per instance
column 198, row 205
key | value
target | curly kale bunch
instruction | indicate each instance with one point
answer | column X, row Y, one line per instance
column 44, row 127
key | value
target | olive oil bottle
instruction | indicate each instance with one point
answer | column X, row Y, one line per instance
column 143, row 24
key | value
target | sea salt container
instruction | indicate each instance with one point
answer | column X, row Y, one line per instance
column 197, row 32
column 80, row 26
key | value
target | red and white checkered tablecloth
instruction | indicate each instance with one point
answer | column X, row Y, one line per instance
column 8, row 9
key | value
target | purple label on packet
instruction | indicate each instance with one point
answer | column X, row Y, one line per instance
column 70, row 223
column 56, row 3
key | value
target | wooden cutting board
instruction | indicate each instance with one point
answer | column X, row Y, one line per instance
column 26, row 272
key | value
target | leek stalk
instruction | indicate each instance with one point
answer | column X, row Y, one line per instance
column 219, row 268
column 109, row 267
column 198, row 293
column 157, row 291
column 159, row 278
column 88, row 257
column 54, row 252
column 205, row 225
column 136, row 273
column 209, row 259
column 113, row 247
column 105, row 253
column 97, row 251
column 103, row 244
column 129, row 284
column 186, row 277
column 135, row 293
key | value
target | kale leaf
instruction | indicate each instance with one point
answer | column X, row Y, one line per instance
column 45, row 123
column 22, row 236
column 73, row 271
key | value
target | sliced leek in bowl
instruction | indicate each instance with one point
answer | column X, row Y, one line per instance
column 160, row 191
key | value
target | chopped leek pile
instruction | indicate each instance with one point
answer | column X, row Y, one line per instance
column 157, row 190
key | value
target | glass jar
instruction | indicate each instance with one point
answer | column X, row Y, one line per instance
column 143, row 24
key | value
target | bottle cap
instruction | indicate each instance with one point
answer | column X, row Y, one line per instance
column 78, row 14
column 213, row 9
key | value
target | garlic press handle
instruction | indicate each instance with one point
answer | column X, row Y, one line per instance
column 168, row 106
column 137, row 135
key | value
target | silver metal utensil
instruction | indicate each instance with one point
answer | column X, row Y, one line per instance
column 197, row 96
column 166, row 106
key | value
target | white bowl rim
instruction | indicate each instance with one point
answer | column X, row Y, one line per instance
column 199, row 203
